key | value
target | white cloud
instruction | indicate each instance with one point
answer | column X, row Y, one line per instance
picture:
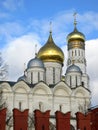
column 92, row 68
column 94, row 90
column 18, row 52
column 12, row 4
column 88, row 22
column 4, row 15
column 11, row 29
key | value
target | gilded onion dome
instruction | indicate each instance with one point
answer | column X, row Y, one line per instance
column 76, row 39
column 75, row 35
column 50, row 52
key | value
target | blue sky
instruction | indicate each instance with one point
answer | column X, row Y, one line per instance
column 25, row 23
column 19, row 17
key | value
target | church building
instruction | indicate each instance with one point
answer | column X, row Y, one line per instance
column 43, row 86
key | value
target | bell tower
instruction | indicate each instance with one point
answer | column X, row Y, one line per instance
column 76, row 54
column 76, row 48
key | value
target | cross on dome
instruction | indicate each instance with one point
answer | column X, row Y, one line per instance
column 75, row 21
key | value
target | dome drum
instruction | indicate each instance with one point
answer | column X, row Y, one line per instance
column 73, row 36
column 76, row 44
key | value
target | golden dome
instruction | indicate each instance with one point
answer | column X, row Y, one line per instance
column 75, row 35
column 50, row 52
column 76, row 39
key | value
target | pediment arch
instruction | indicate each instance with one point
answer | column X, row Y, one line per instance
column 21, row 86
column 41, row 88
column 81, row 92
column 5, row 87
column 62, row 89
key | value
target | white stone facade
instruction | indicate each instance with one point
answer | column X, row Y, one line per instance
column 41, row 96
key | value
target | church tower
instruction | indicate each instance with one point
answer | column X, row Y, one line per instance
column 76, row 55
column 76, row 48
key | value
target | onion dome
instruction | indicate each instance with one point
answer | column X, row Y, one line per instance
column 36, row 62
column 75, row 35
column 50, row 52
column 73, row 68
column 76, row 39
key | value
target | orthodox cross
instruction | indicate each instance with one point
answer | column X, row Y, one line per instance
column 75, row 22
column 50, row 27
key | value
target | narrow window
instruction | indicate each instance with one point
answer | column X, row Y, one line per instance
column 76, row 81
column 53, row 75
column 31, row 78
column 70, row 81
column 83, row 84
column 40, row 106
column 20, row 106
column 72, row 53
column 60, row 107
column 82, row 53
column 79, row 52
column 38, row 76
column 75, row 52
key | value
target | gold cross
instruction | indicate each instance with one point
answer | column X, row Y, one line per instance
column 50, row 27
column 75, row 22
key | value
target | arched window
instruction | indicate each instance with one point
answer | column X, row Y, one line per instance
column 20, row 104
column 82, row 83
column 40, row 106
column 76, row 81
column 60, row 107
column 75, row 52
column 38, row 76
column 31, row 78
column 70, row 81
column 72, row 53
column 79, row 52
column 54, row 75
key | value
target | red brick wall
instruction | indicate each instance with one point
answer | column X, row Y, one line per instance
column 41, row 120
column 3, row 119
column 20, row 119
column 83, row 121
column 62, row 121
column 94, row 119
